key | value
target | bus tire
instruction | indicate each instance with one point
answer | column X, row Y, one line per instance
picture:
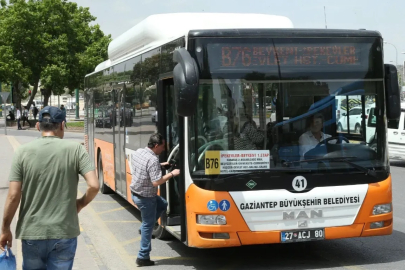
column 160, row 233
column 104, row 189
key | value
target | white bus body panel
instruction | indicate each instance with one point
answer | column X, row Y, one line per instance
column 274, row 218
column 159, row 29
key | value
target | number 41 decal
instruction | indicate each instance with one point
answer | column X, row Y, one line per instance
column 299, row 183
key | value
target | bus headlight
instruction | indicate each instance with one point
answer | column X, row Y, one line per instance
column 211, row 219
column 382, row 209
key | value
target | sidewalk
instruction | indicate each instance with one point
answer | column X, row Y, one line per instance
column 84, row 258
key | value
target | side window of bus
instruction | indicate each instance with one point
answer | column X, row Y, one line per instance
column 146, row 93
column 98, row 111
column 132, row 105
column 172, row 127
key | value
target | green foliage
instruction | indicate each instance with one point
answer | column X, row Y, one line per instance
column 49, row 41
column 74, row 124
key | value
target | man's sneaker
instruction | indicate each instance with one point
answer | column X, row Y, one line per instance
column 153, row 236
column 144, row 262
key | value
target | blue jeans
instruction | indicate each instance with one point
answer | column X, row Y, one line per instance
column 151, row 208
column 55, row 254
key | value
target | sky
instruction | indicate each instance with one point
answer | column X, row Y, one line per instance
column 117, row 16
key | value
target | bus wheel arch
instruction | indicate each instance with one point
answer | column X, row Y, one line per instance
column 104, row 189
column 160, row 232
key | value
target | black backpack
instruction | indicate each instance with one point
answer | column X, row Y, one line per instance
column 35, row 110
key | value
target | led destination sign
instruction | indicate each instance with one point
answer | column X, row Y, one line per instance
column 267, row 55
column 264, row 56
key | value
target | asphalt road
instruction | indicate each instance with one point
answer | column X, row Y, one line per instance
column 110, row 229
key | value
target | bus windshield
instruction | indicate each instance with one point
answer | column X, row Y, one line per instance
column 252, row 117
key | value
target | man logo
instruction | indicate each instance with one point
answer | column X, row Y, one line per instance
column 302, row 214
column 302, row 224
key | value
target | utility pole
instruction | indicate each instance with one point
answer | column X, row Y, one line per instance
column 4, row 96
column 4, row 107
column 324, row 12
column 12, row 96
column 77, row 103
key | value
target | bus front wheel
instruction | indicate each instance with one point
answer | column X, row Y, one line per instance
column 160, row 233
column 104, row 189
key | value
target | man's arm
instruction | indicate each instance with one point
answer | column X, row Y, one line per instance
column 303, row 144
column 92, row 190
column 165, row 178
column 12, row 202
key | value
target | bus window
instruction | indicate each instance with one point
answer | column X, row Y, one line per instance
column 247, row 124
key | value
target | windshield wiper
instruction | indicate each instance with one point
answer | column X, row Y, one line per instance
column 346, row 160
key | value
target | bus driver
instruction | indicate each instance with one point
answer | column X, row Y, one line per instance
column 314, row 135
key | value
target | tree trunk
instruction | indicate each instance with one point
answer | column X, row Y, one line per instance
column 16, row 94
column 47, row 94
column 33, row 93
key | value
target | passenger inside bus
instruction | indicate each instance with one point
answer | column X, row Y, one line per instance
column 251, row 133
column 311, row 138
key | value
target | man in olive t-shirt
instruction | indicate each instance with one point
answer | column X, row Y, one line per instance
column 44, row 174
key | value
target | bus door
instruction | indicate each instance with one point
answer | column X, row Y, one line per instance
column 119, row 141
column 169, row 126
column 90, row 122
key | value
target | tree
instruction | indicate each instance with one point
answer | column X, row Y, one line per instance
column 49, row 42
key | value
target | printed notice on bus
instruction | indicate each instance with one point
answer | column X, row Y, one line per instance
column 228, row 162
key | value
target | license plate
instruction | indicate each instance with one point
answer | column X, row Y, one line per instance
column 302, row 235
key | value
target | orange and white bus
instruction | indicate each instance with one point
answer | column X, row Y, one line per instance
column 241, row 100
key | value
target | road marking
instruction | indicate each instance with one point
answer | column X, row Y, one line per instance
column 352, row 267
column 103, row 202
column 113, row 242
column 15, row 144
column 131, row 241
column 114, row 210
column 122, row 221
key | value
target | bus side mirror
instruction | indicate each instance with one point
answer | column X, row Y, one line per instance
column 392, row 93
column 186, row 77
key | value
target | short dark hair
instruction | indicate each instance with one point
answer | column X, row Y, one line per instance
column 48, row 126
column 155, row 139
column 313, row 117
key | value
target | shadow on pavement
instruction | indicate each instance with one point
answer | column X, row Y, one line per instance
column 309, row 255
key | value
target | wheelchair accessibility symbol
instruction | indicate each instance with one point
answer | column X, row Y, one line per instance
column 212, row 205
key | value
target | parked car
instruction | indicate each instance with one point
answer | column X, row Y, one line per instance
column 355, row 119
column 395, row 135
